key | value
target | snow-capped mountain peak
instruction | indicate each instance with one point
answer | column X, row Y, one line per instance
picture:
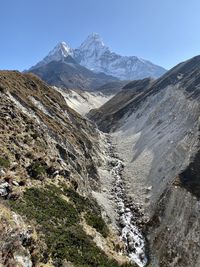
column 93, row 41
column 60, row 51
column 90, row 51
column 96, row 56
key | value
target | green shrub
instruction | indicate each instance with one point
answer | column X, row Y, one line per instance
column 37, row 169
column 78, row 200
column 98, row 223
column 82, row 203
column 5, row 163
column 91, row 209
column 59, row 222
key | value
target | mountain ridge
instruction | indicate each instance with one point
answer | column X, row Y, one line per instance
column 67, row 73
column 96, row 56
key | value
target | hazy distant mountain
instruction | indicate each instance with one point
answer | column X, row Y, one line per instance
column 96, row 56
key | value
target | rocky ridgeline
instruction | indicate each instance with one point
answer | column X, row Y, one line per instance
column 128, row 215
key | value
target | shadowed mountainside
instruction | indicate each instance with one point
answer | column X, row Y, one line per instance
column 112, row 87
column 68, row 73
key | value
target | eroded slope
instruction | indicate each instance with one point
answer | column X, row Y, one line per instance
column 83, row 101
column 157, row 134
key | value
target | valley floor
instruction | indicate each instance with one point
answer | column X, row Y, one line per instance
column 124, row 215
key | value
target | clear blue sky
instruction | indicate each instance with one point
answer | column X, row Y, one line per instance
column 163, row 31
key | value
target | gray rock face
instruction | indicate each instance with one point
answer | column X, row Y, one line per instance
column 4, row 189
column 174, row 240
column 157, row 134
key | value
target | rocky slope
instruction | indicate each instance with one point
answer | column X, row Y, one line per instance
column 94, row 55
column 108, row 115
column 49, row 160
column 112, row 88
column 84, row 101
column 156, row 132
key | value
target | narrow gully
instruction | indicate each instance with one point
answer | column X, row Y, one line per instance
column 130, row 234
